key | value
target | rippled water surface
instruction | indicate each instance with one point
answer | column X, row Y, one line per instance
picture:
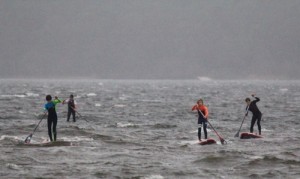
column 145, row 129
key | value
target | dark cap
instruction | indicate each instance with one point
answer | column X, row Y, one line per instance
column 48, row 97
column 247, row 99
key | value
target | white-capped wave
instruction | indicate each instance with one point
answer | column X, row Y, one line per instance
column 14, row 95
column 119, row 105
column 266, row 130
column 125, row 124
column 32, row 94
column 91, row 94
column 154, row 177
column 196, row 131
column 20, row 95
column 76, row 139
column 22, row 112
column 284, row 89
column 13, row 166
column 3, row 137
column 98, row 105
column 191, row 142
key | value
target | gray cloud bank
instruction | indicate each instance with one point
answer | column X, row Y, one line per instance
column 150, row 39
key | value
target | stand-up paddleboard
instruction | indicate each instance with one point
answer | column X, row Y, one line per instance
column 49, row 144
column 248, row 135
column 207, row 141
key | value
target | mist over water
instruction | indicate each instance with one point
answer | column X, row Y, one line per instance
column 145, row 129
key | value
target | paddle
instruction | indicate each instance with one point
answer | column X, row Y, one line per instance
column 79, row 114
column 221, row 139
column 238, row 132
column 27, row 140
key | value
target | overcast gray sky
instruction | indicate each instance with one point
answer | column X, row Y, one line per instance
column 150, row 39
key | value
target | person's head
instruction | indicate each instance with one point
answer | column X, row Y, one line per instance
column 200, row 102
column 48, row 98
column 71, row 96
column 55, row 97
column 247, row 100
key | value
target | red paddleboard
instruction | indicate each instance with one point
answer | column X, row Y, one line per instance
column 207, row 141
column 248, row 135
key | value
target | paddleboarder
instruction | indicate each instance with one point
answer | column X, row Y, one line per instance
column 52, row 118
column 256, row 114
column 71, row 107
column 202, row 118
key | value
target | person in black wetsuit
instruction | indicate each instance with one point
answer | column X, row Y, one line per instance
column 71, row 108
column 52, row 118
column 251, row 106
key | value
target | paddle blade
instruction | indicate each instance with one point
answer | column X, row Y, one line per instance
column 237, row 134
column 27, row 140
column 222, row 141
column 82, row 117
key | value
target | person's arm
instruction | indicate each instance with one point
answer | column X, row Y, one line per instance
column 256, row 98
column 56, row 101
column 194, row 107
column 65, row 101
column 45, row 108
column 205, row 112
column 75, row 105
column 247, row 109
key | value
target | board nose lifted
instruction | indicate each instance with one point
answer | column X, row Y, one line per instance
column 207, row 141
column 248, row 135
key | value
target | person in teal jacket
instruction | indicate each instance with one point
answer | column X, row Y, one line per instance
column 52, row 118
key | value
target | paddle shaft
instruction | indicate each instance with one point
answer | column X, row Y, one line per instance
column 79, row 114
column 38, row 123
column 222, row 140
column 214, row 130
column 27, row 140
column 241, row 124
column 237, row 134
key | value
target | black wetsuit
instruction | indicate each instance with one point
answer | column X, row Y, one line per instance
column 52, row 119
column 71, row 109
column 256, row 115
column 201, row 122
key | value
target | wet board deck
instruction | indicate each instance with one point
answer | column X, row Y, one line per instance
column 207, row 142
column 49, row 144
column 248, row 135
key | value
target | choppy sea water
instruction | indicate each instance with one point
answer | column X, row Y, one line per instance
column 145, row 129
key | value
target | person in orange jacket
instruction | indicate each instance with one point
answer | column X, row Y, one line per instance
column 202, row 117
